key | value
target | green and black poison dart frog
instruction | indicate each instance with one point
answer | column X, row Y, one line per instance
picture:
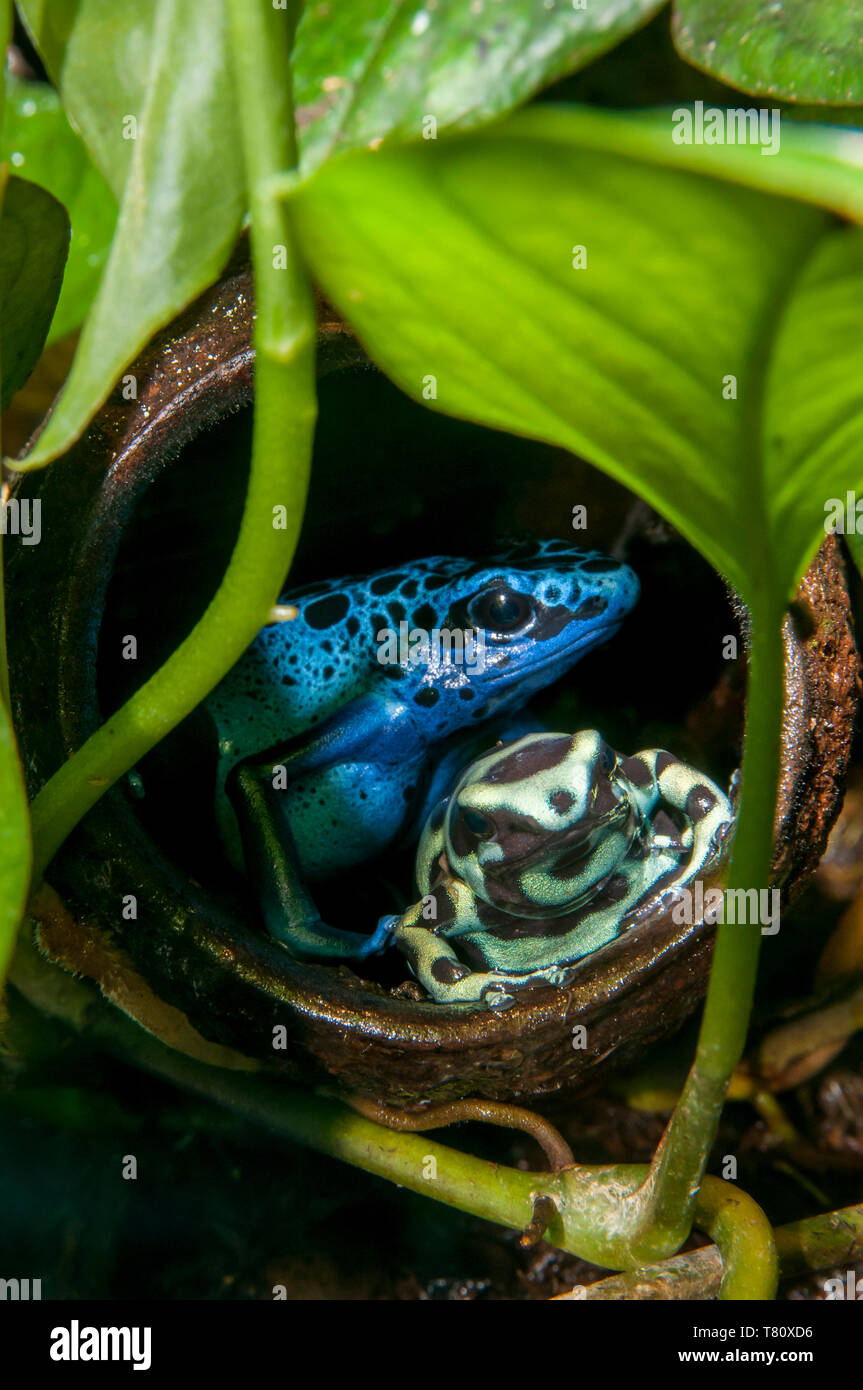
column 542, row 854
column 331, row 749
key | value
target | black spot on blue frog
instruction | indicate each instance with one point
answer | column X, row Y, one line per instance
column 332, row 725
column 547, row 849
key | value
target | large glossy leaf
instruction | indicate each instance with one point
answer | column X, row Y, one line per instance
column 34, row 238
column 167, row 65
column 14, row 841
column 40, row 144
column 363, row 71
column 372, row 69
column 665, row 360
column 813, row 422
column 797, row 50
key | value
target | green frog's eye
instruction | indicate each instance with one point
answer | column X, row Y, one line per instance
column 501, row 610
column 478, row 824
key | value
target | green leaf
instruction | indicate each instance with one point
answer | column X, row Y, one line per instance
column 376, row 69
column 819, row 164
column 14, row 842
column 150, row 89
column 99, row 54
column 795, row 50
column 455, row 264
column 372, row 69
column 814, row 402
column 34, row 238
column 41, row 145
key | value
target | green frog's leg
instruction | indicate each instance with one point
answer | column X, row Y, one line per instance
column 421, row 935
column 708, row 811
column 271, row 862
column 418, row 935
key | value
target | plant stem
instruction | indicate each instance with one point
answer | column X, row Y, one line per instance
column 833, row 1237
column 680, row 1161
column 745, row 1237
column 803, row 1247
column 284, row 416
column 735, row 960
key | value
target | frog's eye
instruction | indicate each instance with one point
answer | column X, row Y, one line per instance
column 501, row 610
column 478, row 824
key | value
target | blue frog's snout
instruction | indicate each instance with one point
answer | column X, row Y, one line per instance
column 609, row 587
column 577, row 599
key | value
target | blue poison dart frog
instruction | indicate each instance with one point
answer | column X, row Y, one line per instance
column 331, row 724
column 542, row 854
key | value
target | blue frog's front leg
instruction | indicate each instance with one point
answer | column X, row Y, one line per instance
column 260, row 792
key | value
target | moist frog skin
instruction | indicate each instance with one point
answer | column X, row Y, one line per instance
column 355, row 741
column 541, row 855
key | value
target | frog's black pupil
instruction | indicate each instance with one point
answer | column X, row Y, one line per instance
column 505, row 610
column 475, row 822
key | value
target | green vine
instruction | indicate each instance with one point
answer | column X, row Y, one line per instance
column 680, row 1161
column 284, row 418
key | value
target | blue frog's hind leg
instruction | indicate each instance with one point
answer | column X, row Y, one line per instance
column 273, row 866
column 263, row 815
